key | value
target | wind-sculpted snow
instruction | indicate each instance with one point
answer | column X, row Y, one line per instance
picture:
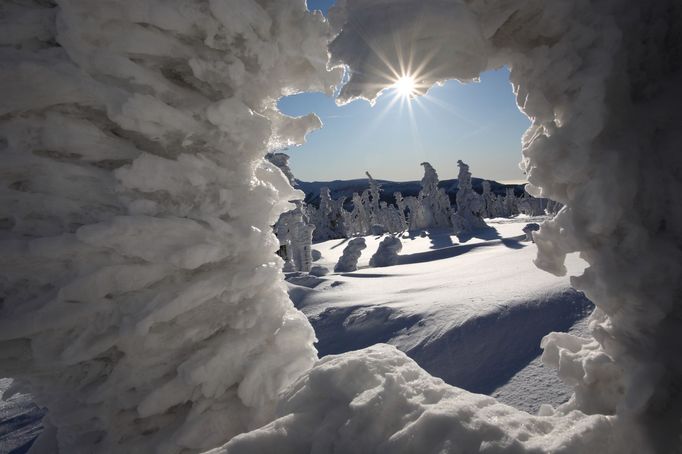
column 599, row 81
column 377, row 400
column 142, row 302
column 351, row 253
column 387, row 253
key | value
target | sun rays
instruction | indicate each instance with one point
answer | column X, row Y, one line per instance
column 405, row 86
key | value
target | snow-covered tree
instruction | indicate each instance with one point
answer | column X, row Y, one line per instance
column 434, row 201
column 402, row 206
column 489, row 210
column 387, row 253
column 295, row 235
column 469, row 204
column 141, row 302
column 351, row 254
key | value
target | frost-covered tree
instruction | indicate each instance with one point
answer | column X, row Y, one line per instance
column 387, row 252
column 402, row 206
column 434, row 200
column 469, row 204
column 293, row 228
column 489, row 201
column 359, row 218
column 295, row 234
column 141, row 302
column 351, row 254
column 511, row 206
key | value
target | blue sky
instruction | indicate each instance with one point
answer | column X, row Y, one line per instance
column 478, row 123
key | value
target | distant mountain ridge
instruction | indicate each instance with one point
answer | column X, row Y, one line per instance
column 346, row 188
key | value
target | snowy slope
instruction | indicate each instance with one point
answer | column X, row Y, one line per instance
column 471, row 313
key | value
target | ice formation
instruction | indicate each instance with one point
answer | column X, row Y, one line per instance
column 351, row 253
column 142, row 302
column 387, row 253
column 470, row 205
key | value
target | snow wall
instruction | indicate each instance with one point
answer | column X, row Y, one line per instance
column 141, row 299
column 142, row 302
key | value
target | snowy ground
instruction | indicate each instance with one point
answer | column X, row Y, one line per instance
column 471, row 311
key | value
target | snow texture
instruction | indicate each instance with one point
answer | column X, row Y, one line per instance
column 351, row 253
column 379, row 400
column 387, row 253
column 142, row 302
column 599, row 80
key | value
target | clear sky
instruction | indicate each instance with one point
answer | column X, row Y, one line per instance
column 478, row 123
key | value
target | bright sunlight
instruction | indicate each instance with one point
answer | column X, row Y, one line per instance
column 406, row 87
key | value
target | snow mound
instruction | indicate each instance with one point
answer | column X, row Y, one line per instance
column 387, row 253
column 351, row 253
column 379, row 400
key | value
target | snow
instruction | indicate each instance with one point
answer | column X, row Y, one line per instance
column 597, row 81
column 132, row 130
column 348, row 261
column 142, row 303
column 463, row 320
column 387, row 252
column 378, row 400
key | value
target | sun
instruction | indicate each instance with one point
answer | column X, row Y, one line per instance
column 405, row 87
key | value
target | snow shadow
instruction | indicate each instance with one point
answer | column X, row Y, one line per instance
column 342, row 242
column 480, row 354
column 440, row 239
column 344, row 329
column 366, row 275
column 484, row 352
column 455, row 250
